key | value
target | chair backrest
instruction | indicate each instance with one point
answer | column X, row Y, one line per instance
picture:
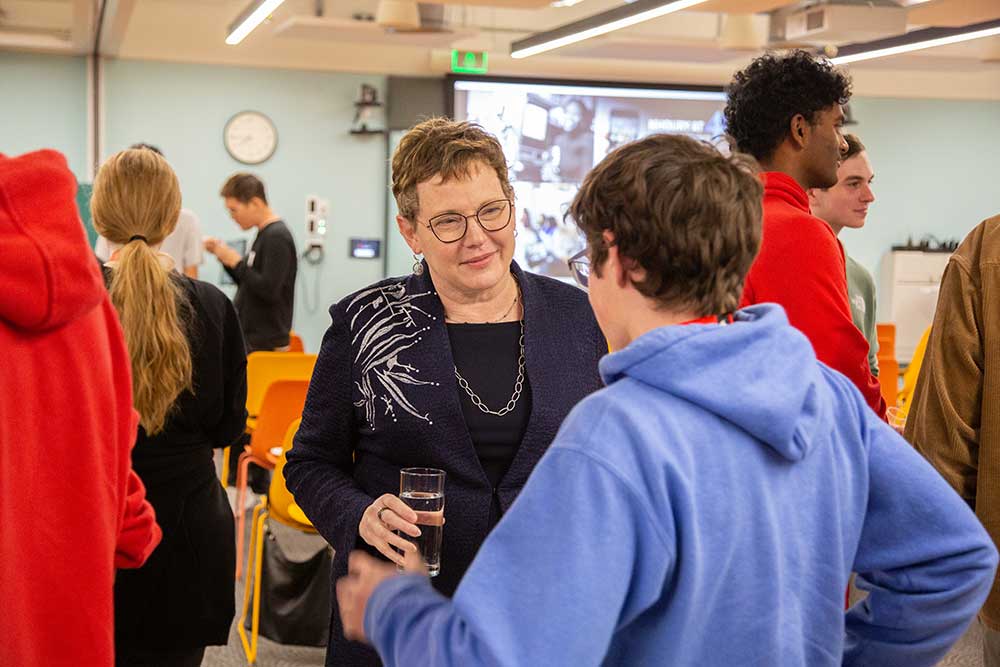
column 886, row 333
column 911, row 374
column 279, row 498
column 888, row 365
column 295, row 343
column 282, row 404
column 263, row 368
column 888, row 380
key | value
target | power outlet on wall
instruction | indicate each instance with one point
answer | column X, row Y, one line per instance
column 316, row 212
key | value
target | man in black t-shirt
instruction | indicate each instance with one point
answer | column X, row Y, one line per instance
column 265, row 278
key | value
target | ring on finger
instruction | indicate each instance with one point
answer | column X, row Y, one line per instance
column 379, row 513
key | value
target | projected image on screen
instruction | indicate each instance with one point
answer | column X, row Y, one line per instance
column 553, row 134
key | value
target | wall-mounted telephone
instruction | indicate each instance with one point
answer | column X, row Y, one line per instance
column 316, row 211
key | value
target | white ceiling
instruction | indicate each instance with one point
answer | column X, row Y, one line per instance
column 691, row 46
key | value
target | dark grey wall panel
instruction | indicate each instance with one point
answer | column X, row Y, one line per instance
column 412, row 99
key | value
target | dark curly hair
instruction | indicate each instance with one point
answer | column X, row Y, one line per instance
column 685, row 213
column 765, row 96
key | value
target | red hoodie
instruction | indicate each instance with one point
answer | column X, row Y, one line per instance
column 71, row 509
column 801, row 267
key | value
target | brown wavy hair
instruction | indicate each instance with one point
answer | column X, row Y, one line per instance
column 854, row 146
column 689, row 216
column 135, row 203
column 440, row 146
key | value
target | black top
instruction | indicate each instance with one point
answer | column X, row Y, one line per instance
column 486, row 355
column 266, row 288
column 383, row 397
column 215, row 414
column 182, row 597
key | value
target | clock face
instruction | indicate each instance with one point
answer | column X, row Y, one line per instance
column 250, row 137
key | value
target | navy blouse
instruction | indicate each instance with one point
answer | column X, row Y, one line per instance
column 384, row 397
column 487, row 356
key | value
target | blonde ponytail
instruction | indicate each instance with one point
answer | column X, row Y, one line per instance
column 135, row 203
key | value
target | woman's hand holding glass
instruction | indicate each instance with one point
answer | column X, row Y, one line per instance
column 378, row 530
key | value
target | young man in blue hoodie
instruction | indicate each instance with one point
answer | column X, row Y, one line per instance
column 707, row 507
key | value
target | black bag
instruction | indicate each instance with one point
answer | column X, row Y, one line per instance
column 294, row 596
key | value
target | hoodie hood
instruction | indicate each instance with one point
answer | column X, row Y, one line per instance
column 731, row 371
column 778, row 184
column 48, row 272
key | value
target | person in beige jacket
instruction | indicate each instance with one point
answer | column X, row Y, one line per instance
column 954, row 420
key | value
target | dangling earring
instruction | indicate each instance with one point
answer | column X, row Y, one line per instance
column 418, row 266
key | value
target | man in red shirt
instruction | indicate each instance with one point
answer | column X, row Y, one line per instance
column 71, row 508
column 787, row 112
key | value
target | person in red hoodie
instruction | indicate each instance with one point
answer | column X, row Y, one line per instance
column 787, row 112
column 71, row 508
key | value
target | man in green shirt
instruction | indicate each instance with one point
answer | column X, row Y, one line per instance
column 846, row 205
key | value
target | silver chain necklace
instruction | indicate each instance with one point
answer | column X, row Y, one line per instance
column 518, row 384
column 517, row 297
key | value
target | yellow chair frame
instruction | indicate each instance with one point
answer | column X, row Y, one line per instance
column 257, row 535
column 905, row 395
column 279, row 504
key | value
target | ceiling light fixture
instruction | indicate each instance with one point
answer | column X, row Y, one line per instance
column 250, row 18
column 914, row 41
column 598, row 24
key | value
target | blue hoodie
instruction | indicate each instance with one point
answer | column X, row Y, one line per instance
column 706, row 508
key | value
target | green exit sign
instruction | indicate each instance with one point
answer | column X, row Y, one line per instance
column 468, row 62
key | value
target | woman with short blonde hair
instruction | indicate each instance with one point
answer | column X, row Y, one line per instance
column 468, row 365
column 189, row 384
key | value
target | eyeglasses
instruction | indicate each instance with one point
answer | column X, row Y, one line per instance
column 451, row 227
column 579, row 266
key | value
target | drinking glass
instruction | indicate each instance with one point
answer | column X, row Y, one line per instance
column 896, row 419
column 423, row 490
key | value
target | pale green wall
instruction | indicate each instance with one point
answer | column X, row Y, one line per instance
column 936, row 171
column 182, row 109
column 43, row 104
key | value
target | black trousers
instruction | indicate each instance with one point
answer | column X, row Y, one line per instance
column 190, row 657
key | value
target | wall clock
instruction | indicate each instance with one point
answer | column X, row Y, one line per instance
column 250, row 137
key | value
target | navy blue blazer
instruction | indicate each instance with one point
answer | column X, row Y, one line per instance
column 384, row 397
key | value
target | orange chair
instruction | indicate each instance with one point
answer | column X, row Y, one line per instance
column 282, row 405
column 295, row 342
column 263, row 368
column 888, row 366
column 886, row 334
column 279, row 505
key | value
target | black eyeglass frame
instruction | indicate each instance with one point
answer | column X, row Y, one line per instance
column 579, row 267
column 510, row 215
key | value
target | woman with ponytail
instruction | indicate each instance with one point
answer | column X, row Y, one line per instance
column 189, row 387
